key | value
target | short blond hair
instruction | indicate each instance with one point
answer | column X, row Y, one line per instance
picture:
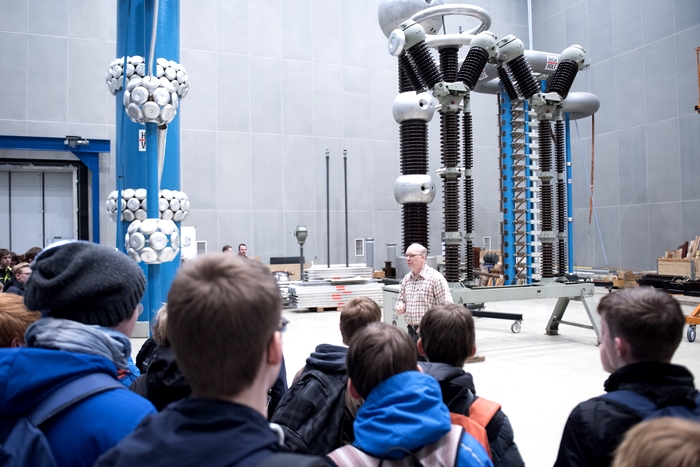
column 660, row 442
column 159, row 327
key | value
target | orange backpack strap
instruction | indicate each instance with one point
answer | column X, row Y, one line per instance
column 473, row 428
column 482, row 410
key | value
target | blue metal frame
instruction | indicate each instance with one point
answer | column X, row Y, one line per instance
column 569, row 198
column 508, row 193
column 89, row 154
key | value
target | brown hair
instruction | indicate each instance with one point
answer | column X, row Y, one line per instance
column 377, row 352
column 660, row 442
column 18, row 268
column 222, row 313
column 31, row 253
column 356, row 314
column 447, row 333
column 160, row 327
column 14, row 318
column 651, row 322
column 4, row 252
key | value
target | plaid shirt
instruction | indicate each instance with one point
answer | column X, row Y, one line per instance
column 421, row 292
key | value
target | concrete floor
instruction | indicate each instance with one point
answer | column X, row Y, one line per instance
column 537, row 379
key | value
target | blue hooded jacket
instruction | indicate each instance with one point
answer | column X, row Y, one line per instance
column 79, row 436
column 406, row 410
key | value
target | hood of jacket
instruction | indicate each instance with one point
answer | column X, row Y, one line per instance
column 664, row 383
column 28, row 374
column 406, row 410
column 328, row 358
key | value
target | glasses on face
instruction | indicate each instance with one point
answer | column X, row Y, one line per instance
column 410, row 256
column 283, row 325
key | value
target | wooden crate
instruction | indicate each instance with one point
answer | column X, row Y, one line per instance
column 677, row 267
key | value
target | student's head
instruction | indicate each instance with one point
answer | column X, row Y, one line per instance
column 637, row 325
column 22, row 271
column 31, row 254
column 159, row 328
column 14, row 320
column 223, row 317
column 416, row 255
column 660, row 442
column 242, row 249
column 447, row 334
column 5, row 258
column 356, row 314
column 87, row 283
column 377, row 352
column 227, row 249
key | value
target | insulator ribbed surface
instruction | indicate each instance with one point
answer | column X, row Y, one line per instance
column 545, row 145
column 547, row 261
column 449, row 140
column 469, row 254
column 561, row 257
column 408, row 79
column 452, row 263
column 415, row 224
column 468, row 132
column 414, row 147
column 506, row 84
column 424, row 63
column 560, row 154
column 563, row 78
column 449, row 63
column 472, row 66
column 524, row 78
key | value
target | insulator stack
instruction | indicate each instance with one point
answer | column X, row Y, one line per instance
column 545, row 157
column 563, row 78
column 449, row 140
column 449, row 63
column 522, row 71
column 468, row 193
column 408, row 79
column 415, row 224
column 560, row 157
column 424, row 63
column 506, row 84
column 414, row 147
column 451, row 258
column 472, row 67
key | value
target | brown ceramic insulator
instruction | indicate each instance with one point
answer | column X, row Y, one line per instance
column 520, row 68
column 415, row 224
column 424, row 64
column 563, row 78
column 414, row 147
column 408, row 79
column 449, row 63
column 506, row 84
column 472, row 66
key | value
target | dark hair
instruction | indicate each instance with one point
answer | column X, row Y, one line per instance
column 377, row 352
column 356, row 314
column 447, row 333
column 4, row 252
column 240, row 245
column 651, row 322
column 226, row 248
column 222, row 313
column 31, row 253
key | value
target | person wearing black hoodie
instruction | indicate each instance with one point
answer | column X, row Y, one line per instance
column 447, row 340
column 20, row 275
column 641, row 329
column 225, row 326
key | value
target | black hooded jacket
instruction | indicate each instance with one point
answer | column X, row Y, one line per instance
column 458, row 393
column 596, row 427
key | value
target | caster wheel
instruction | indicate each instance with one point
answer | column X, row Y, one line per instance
column 515, row 327
column 691, row 333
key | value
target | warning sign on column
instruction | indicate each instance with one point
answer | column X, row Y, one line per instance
column 142, row 140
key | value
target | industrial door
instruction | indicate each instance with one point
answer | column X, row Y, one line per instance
column 37, row 207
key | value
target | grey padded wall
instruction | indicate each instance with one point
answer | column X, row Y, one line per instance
column 26, row 211
column 647, row 133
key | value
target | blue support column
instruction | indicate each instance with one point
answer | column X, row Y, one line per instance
column 508, row 193
column 569, row 199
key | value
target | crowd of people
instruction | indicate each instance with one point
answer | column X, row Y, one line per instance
column 210, row 387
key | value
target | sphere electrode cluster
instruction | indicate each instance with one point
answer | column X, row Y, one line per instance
column 172, row 205
column 152, row 241
column 149, row 99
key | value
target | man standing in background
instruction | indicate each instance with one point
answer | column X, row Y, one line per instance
column 242, row 250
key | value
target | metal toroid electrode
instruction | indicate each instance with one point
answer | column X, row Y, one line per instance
column 328, row 207
column 345, row 175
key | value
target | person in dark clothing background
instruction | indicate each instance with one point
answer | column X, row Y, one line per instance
column 20, row 276
column 641, row 329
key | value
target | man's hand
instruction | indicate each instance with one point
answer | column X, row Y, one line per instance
column 400, row 308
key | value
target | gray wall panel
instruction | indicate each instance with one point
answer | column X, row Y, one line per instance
column 634, row 235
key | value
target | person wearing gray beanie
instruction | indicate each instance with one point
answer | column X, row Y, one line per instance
column 80, row 349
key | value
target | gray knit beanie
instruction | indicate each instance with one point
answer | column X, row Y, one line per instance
column 85, row 282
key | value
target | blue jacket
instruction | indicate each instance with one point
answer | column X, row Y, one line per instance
column 79, row 436
column 194, row 432
column 407, row 410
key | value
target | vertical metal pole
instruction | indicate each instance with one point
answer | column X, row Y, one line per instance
column 301, row 260
column 328, row 206
column 345, row 176
column 569, row 201
column 152, row 208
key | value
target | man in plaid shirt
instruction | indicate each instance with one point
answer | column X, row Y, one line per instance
column 421, row 289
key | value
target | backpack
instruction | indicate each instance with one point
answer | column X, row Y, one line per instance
column 646, row 408
column 22, row 443
column 477, row 414
column 311, row 413
column 286, row 459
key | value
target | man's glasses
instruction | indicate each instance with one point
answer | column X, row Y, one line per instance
column 412, row 256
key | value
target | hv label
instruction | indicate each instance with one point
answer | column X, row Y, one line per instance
column 142, row 140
